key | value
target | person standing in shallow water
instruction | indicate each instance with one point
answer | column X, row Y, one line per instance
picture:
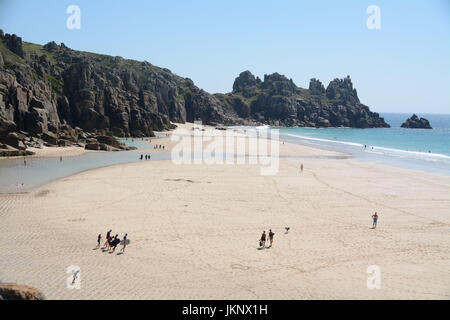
column 375, row 220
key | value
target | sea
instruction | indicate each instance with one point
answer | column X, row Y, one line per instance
column 419, row 149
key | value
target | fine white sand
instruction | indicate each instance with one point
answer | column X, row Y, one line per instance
column 194, row 231
column 50, row 152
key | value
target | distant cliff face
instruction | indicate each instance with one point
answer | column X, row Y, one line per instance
column 416, row 123
column 54, row 89
column 278, row 101
column 49, row 85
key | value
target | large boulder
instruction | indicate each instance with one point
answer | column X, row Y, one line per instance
column 36, row 120
column 15, row 140
column 50, row 137
column 92, row 146
column 14, row 291
column 109, row 140
column 322, row 122
column 8, row 151
column 6, row 126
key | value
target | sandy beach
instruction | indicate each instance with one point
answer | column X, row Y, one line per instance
column 194, row 231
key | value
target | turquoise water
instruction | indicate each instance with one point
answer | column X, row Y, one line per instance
column 139, row 143
column 413, row 148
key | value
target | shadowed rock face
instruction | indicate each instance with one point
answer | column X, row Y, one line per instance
column 53, row 84
column 278, row 101
column 415, row 123
column 14, row 291
column 55, row 89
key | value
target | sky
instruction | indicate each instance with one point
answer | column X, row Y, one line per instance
column 404, row 66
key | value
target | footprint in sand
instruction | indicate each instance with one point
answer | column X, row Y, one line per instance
column 239, row 266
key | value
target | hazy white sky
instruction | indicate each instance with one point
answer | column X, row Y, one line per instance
column 402, row 67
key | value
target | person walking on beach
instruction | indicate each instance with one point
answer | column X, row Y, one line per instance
column 300, row 167
column 75, row 276
column 124, row 242
column 262, row 241
column 99, row 240
column 115, row 242
column 111, row 242
column 60, row 158
column 271, row 234
column 108, row 236
column 375, row 219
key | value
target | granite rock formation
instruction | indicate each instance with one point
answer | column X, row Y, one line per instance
column 416, row 123
column 54, row 95
column 278, row 101
column 14, row 291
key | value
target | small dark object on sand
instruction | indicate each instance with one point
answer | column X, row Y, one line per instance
column 287, row 229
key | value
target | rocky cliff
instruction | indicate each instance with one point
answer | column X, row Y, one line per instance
column 55, row 95
column 416, row 123
column 278, row 101
column 55, row 91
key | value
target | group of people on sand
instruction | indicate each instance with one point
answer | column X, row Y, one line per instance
column 264, row 236
column 159, row 146
column 269, row 237
column 112, row 242
column 147, row 157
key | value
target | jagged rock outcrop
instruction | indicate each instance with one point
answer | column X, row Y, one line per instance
column 59, row 96
column 13, row 43
column 278, row 101
column 14, row 291
column 416, row 123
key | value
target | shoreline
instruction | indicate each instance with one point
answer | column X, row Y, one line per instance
column 72, row 152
